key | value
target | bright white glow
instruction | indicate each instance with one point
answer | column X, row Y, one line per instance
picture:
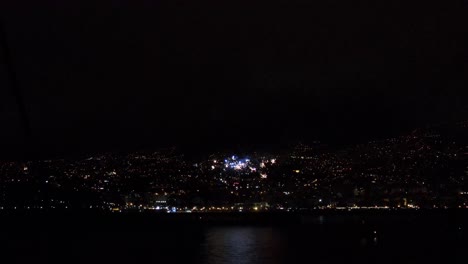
column 237, row 165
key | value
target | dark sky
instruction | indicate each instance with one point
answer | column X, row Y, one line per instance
column 115, row 75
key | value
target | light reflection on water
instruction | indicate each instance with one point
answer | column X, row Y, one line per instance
column 240, row 245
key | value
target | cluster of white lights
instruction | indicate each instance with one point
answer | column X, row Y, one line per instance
column 238, row 164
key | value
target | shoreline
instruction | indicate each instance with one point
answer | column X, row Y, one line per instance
column 157, row 221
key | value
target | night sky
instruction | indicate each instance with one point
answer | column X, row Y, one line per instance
column 207, row 75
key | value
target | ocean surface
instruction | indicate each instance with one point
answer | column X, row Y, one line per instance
column 336, row 238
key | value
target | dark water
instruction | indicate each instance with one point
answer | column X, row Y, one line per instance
column 312, row 239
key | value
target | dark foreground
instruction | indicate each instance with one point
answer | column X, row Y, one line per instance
column 331, row 237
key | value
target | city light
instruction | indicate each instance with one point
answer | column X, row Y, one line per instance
column 316, row 182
